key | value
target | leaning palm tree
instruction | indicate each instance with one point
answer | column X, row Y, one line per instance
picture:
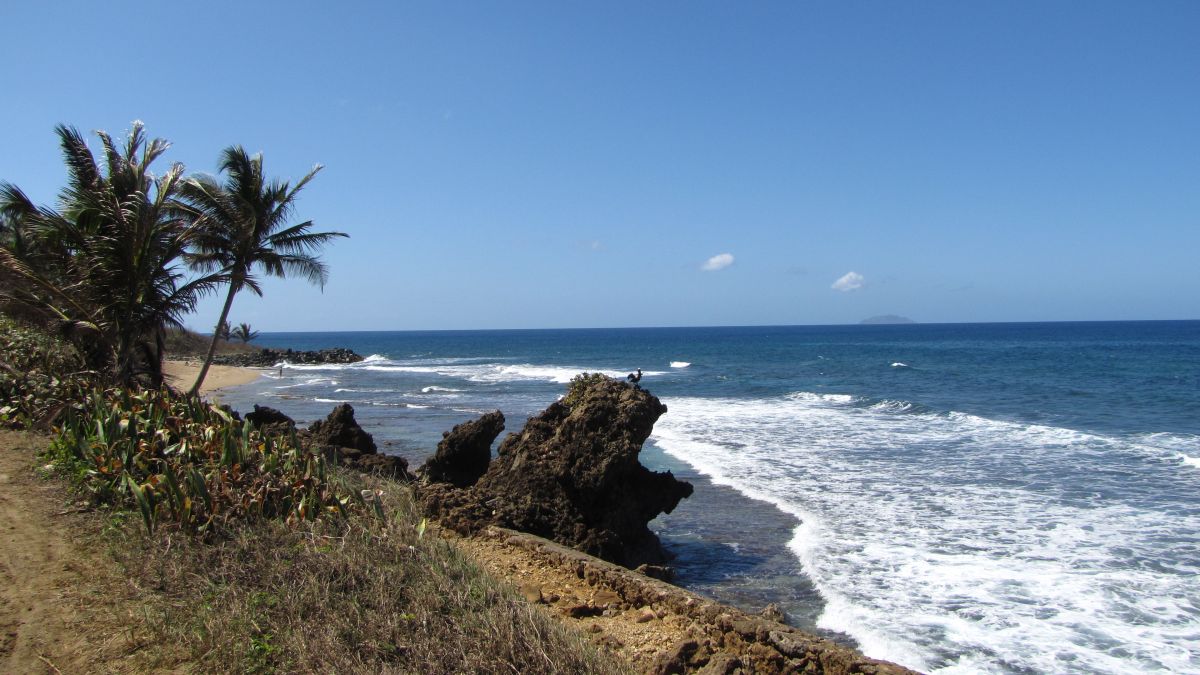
column 105, row 266
column 243, row 228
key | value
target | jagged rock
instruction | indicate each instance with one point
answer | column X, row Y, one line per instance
column 676, row 659
column 270, row 421
column 465, row 451
column 721, row 663
column 772, row 613
column 572, row 475
column 341, row 430
column 660, row 572
column 230, row 411
column 341, row 438
column 388, row 466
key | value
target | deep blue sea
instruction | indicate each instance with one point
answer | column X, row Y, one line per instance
column 1009, row 498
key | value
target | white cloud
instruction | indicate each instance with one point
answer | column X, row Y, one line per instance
column 717, row 262
column 851, row 281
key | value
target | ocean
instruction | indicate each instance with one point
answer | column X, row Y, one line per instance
column 1002, row 498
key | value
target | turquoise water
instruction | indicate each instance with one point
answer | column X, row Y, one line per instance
column 957, row 498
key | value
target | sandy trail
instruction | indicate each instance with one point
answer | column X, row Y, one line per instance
column 60, row 596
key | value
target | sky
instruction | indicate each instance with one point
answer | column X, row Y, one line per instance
column 554, row 165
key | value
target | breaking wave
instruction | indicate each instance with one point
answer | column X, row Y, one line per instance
column 956, row 543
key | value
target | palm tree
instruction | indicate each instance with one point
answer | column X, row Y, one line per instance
column 243, row 333
column 243, row 228
column 106, row 265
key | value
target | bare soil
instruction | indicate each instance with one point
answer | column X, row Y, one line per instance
column 63, row 603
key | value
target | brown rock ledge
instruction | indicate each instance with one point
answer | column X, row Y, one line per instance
column 655, row 626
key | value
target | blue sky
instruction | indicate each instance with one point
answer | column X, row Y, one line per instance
column 525, row 165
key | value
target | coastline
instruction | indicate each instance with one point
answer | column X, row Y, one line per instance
column 182, row 373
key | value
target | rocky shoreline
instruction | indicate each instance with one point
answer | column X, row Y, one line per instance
column 267, row 358
column 655, row 626
column 561, row 513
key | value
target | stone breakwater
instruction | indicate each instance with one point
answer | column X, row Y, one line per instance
column 269, row 357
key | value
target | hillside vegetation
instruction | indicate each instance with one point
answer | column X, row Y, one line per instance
column 251, row 553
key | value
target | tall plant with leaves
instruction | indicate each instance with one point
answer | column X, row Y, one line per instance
column 243, row 228
column 244, row 333
column 106, row 265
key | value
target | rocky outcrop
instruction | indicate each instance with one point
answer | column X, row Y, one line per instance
column 339, row 436
column 271, row 421
column 464, row 452
column 341, row 430
column 269, row 357
column 710, row 637
column 572, row 475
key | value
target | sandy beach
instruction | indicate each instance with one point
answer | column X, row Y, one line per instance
column 181, row 375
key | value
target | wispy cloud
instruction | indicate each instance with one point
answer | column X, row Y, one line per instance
column 851, row 281
column 717, row 262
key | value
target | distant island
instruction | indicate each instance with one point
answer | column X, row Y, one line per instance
column 886, row 318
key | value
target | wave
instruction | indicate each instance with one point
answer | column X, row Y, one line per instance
column 1180, row 448
column 434, row 389
column 810, row 397
column 898, row 364
column 492, row 373
column 680, row 364
column 950, row 541
column 310, row 382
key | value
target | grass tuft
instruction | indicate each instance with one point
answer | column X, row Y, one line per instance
column 356, row 595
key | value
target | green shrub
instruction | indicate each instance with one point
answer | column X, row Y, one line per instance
column 185, row 461
column 579, row 385
column 39, row 375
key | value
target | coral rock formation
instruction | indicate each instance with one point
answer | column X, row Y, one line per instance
column 572, row 475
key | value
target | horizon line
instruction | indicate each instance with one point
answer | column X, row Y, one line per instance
column 678, row 327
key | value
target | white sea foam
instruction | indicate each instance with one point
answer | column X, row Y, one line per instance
column 500, row 372
column 1181, row 448
column 434, row 390
column 898, row 364
column 948, row 542
column 680, row 364
column 310, row 382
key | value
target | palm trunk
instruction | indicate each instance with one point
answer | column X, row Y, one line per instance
column 212, row 347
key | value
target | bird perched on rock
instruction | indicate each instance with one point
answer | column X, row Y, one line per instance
column 635, row 377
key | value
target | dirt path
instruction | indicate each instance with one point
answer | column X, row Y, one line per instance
column 60, row 596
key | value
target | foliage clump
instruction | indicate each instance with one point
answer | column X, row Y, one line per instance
column 39, row 375
column 187, row 462
column 579, row 385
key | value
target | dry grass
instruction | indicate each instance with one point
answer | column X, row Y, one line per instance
column 365, row 595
